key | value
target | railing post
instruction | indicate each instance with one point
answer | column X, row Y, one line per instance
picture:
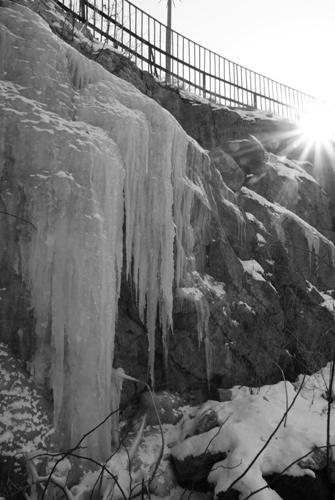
column 168, row 42
column 204, row 85
column 82, row 10
column 255, row 100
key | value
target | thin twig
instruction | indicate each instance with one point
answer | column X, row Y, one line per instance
column 265, row 445
column 330, row 395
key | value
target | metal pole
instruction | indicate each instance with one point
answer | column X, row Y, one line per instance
column 168, row 42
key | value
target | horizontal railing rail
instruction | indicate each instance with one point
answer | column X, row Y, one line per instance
column 191, row 66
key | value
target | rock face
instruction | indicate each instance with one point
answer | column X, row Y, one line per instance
column 123, row 241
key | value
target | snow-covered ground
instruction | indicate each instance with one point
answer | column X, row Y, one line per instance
column 254, row 429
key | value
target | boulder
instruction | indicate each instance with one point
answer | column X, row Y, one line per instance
column 232, row 175
column 208, row 421
column 249, row 154
column 300, row 488
column 317, row 460
column 193, row 470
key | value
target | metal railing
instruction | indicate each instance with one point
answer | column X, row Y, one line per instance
column 191, row 66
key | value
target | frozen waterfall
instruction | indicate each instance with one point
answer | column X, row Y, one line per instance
column 86, row 157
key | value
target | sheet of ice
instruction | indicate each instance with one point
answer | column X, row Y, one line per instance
column 92, row 154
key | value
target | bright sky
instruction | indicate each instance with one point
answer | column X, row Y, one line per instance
column 291, row 41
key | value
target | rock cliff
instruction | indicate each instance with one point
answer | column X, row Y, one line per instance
column 196, row 254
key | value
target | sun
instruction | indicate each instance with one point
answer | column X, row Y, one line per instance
column 318, row 127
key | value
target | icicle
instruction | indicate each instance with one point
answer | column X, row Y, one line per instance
column 209, row 351
column 196, row 296
column 116, row 388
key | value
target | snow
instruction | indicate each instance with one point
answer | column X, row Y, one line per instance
column 289, row 168
column 244, row 304
column 254, row 268
column 213, row 286
column 245, row 426
column 253, row 219
column 24, row 421
column 260, row 240
column 61, row 173
column 328, row 301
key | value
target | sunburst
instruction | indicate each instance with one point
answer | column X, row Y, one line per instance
column 318, row 128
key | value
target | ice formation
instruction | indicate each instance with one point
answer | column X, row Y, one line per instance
column 89, row 154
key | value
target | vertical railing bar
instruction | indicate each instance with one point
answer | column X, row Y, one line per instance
column 237, row 83
column 246, row 86
column 195, row 65
column 177, row 64
column 153, row 50
column 172, row 55
column 199, row 72
column 277, row 98
column 115, row 25
column 203, row 76
column 148, row 47
column 286, row 100
column 94, row 13
column 210, row 84
column 110, row 14
column 215, row 77
column 183, row 48
column 257, row 92
column 229, row 79
column 191, row 52
column 160, row 52
column 122, row 20
column 273, row 95
column 221, row 75
column 101, row 25
column 234, row 81
column 131, row 31
column 142, row 39
column 136, row 34
column 189, row 57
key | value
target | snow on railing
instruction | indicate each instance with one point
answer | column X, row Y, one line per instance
column 191, row 66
